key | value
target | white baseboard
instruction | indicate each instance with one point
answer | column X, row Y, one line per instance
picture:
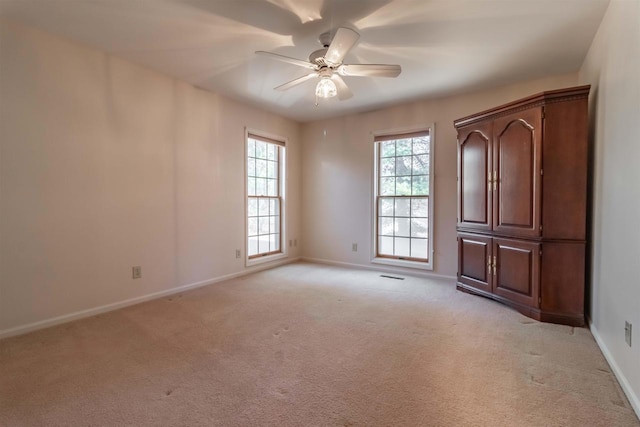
column 622, row 380
column 379, row 267
column 23, row 329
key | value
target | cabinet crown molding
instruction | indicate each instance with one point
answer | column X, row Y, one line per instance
column 541, row 98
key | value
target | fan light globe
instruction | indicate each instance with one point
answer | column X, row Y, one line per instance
column 326, row 88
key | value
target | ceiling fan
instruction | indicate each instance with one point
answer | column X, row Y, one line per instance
column 326, row 64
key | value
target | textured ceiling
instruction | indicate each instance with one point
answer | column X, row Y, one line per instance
column 443, row 46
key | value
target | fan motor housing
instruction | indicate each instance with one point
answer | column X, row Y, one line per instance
column 317, row 57
column 325, row 39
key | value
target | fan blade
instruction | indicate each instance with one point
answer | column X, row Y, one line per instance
column 373, row 70
column 294, row 61
column 296, row 82
column 343, row 90
column 342, row 43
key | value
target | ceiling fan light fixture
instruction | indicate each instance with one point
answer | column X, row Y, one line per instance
column 326, row 63
column 326, row 88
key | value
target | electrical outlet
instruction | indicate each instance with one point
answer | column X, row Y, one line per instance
column 137, row 272
column 354, row 247
column 627, row 333
column 237, row 253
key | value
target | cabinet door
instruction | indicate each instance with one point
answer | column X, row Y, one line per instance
column 517, row 271
column 474, row 261
column 516, row 163
column 474, row 166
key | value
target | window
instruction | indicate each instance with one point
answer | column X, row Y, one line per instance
column 403, row 208
column 265, row 158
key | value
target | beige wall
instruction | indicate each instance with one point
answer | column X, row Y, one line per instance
column 105, row 165
column 338, row 168
column 612, row 67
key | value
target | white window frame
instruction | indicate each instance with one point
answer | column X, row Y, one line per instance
column 429, row 265
column 249, row 262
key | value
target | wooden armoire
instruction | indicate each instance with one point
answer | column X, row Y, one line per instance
column 522, row 204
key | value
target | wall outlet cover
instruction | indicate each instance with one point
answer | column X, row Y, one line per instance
column 137, row 272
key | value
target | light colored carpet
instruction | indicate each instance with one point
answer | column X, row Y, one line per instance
column 310, row 345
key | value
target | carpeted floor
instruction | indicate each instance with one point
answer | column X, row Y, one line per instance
column 310, row 345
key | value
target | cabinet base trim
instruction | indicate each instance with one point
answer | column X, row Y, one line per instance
column 534, row 313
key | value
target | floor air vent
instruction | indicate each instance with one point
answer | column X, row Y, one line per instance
column 392, row 277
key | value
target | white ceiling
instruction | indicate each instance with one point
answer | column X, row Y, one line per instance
column 443, row 46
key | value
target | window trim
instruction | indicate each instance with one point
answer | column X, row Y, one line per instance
column 282, row 178
column 399, row 132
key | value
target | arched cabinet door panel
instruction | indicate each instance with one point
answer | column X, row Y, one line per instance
column 517, row 153
column 474, row 177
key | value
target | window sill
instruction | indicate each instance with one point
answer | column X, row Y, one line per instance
column 265, row 259
column 402, row 263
